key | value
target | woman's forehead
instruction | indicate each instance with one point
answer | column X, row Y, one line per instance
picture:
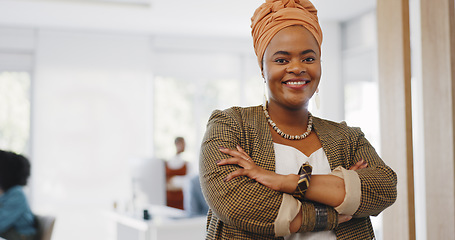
column 293, row 38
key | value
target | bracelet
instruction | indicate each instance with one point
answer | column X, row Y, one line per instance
column 304, row 181
column 326, row 218
column 308, row 217
column 332, row 218
column 318, row 217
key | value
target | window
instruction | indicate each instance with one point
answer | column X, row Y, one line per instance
column 183, row 107
column 15, row 111
column 183, row 103
column 361, row 83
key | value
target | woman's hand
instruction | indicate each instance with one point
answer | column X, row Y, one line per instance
column 361, row 164
column 343, row 218
column 272, row 180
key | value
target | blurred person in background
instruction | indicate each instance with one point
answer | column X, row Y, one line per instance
column 16, row 219
column 176, row 170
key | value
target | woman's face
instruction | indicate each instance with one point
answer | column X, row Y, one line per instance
column 292, row 67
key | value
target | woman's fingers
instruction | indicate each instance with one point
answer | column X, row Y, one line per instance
column 234, row 161
column 361, row 164
column 357, row 165
column 344, row 218
column 243, row 152
column 235, row 153
column 236, row 173
column 240, row 158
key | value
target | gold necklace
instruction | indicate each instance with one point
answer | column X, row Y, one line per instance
column 287, row 136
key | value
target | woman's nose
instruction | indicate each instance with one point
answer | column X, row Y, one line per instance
column 296, row 67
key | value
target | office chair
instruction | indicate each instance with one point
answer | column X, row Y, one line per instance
column 45, row 226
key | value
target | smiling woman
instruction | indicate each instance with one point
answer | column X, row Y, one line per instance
column 123, row 85
column 275, row 171
column 292, row 67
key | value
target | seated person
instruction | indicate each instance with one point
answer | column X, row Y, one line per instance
column 16, row 218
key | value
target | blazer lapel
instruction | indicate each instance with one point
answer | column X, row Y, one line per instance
column 329, row 142
column 266, row 154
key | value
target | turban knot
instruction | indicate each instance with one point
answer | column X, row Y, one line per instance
column 274, row 15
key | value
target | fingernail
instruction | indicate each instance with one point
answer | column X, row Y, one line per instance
column 218, row 161
column 222, row 148
column 225, row 179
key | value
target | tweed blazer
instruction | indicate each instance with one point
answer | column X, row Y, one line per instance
column 245, row 209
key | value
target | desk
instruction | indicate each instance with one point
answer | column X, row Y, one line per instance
column 166, row 224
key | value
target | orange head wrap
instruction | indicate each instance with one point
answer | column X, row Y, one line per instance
column 274, row 15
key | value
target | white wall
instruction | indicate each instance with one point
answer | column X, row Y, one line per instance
column 331, row 87
column 91, row 113
column 16, row 48
column 203, row 17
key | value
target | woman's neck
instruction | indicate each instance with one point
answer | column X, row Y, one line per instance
column 288, row 116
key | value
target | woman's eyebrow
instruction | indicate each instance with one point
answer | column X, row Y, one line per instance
column 308, row 51
column 281, row 53
column 287, row 53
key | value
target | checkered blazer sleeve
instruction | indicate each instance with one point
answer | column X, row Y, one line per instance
column 378, row 181
column 242, row 202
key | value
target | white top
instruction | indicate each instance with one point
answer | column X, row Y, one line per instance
column 176, row 162
column 177, row 182
column 288, row 161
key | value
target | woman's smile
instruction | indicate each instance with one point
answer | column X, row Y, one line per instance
column 296, row 84
column 292, row 67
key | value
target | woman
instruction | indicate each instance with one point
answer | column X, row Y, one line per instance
column 253, row 166
column 16, row 219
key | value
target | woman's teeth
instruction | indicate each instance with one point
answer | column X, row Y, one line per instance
column 297, row 83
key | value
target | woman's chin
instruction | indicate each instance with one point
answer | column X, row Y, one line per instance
column 296, row 105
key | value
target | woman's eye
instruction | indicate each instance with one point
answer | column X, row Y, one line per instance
column 280, row 60
column 310, row 59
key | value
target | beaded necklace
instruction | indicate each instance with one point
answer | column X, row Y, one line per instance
column 287, row 136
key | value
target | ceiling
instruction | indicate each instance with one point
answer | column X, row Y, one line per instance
column 206, row 17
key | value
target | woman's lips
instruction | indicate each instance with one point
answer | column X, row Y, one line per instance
column 296, row 84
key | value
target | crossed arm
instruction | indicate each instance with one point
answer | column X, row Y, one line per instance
column 325, row 189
